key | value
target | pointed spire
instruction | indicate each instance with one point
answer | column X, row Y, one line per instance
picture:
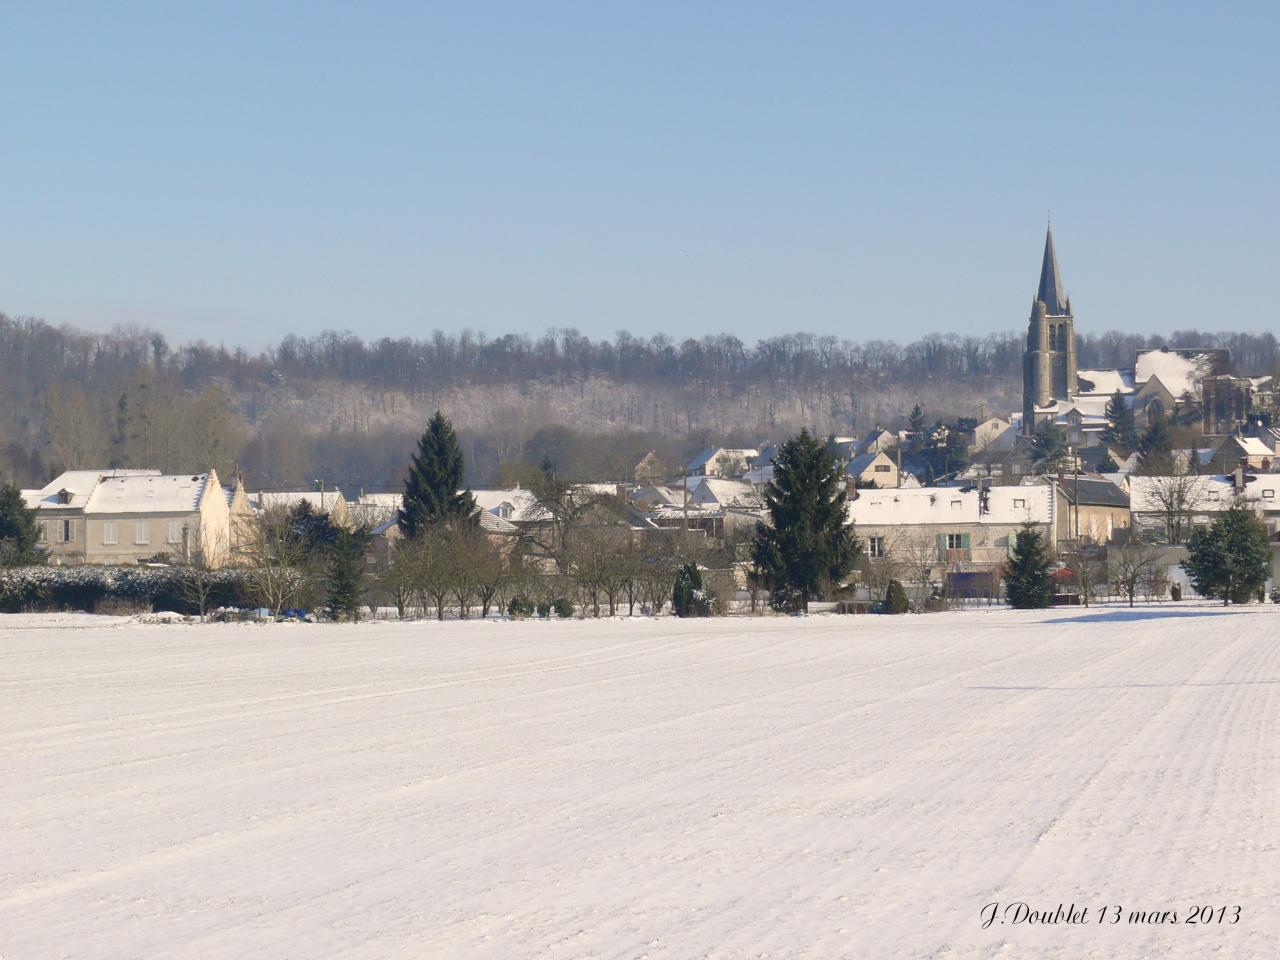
column 1051, row 280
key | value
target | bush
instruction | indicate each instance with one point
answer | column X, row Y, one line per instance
column 520, row 607
column 91, row 588
column 895, row 599
column 688, row 597
column 563, row 607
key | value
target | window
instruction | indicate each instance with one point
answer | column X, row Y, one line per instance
column 957, row 504
column 42, row 532
column 1019, row 504
column 109, row 533
column 883, row 467
column 875, row 547
column 1268, row 494
column 175, row 531
column 1213, row 495
column 955, row 541
column 68, row 531
column 141, row 532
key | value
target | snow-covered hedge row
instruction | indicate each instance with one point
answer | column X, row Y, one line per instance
column 85, row 587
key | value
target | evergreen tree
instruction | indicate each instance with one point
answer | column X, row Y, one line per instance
column 1049, row 447
column 1120, row 427
column 915, row 423
column 807, row 545
column 431, row 492
column 1027, row 574
column 688, row 598
column 344, row 595
column 19, row 537
column 1155, row 448
column 1230, row 560
column 895, row 599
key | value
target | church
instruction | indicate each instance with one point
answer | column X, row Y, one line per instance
column 1190, row 385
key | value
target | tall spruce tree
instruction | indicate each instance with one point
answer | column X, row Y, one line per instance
column 1120, row 430
column 1231, row 560
column 344, row 594
column 433, row 492
column 1027, row 574
column 19, row 537
column 1049, row 447
column 915, row 423
column 1155, row 448
column 807, row 546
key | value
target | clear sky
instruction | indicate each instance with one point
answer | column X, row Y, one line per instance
column 238, row 172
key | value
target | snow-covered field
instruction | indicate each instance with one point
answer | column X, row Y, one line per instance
column 834, row 787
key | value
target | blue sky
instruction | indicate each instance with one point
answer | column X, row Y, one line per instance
column 240, row 172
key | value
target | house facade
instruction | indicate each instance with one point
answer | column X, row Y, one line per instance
column 131, row 516
column 950, row 529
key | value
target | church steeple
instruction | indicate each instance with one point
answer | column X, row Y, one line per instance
column 1055, row 303
column 1049, row 364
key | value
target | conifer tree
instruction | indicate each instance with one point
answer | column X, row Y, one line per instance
column 807, row 545
column 1231, row 560
column 432, row 492
column 344, row 595
column 1049, row 446
column 1155, row 448
column 1028, row 584
column 19, row 537
column 1120, row 427
column 915, row 423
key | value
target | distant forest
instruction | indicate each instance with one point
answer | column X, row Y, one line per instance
column 335, row 408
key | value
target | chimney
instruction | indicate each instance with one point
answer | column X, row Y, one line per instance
column 851, row 487
column 1237, row 478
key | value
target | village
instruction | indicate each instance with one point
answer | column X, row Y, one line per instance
column 1091, row 465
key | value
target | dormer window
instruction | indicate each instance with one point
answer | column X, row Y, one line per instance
column 64, row 497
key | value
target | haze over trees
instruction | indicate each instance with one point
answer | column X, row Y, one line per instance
column 334, row 407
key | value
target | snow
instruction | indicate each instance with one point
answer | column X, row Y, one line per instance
column 180, row 493
column 834, row 787
column 1180, row 375
column 1104, row 382
column 949, row 506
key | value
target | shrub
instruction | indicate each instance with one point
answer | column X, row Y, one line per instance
column 520, row 607
column 688, row 597
column 895, row 599
column 563, row 607
column 93, row 587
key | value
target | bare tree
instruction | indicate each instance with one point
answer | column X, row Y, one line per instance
column 1130, row 566
column 562, row 508
column 919, row 553
column 276, row 552
column 1176, row 500
column 1088, row 571
column 198, row 568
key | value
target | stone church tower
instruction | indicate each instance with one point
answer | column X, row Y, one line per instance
column 1049, row 363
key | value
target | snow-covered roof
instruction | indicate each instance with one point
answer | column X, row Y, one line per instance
column 725, row 492
column 1179, row 374
column 1255, row 447
column 710, row 454
column 288, row 499
column 79, row 485
column 943, row 506
column 1104, row 382
column 522, row 503
column 148, row 494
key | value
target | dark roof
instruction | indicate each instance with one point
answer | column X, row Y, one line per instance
column 860, row 463
column 1055, row 303
column 1093, row 493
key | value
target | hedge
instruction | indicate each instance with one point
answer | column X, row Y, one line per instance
column 85, row 587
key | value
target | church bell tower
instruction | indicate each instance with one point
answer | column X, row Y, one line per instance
column 1049, row 363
